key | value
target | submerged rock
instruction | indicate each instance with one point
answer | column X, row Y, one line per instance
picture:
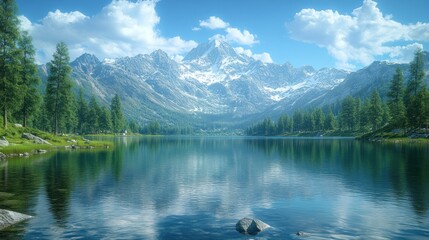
column 250, row 226
column 8, row 218
column 40, row 151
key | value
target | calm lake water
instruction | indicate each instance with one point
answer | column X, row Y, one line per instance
column 198, row 188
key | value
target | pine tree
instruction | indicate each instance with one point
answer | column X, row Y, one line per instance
column 330, row 123
column 71, row 120
column 412, row 104
column 117, row 115
column 29, row 79
column 416, row 74
column 58, row 88
column 421, row 106
column 375, row 111
column 386, row 114
column 9, row 59
column 94, row 115
column 283, row 124
column 319, row 119
column 364, row 124
column 308, row 122
column 82, row 113
column 396, row 100
column 133, row 126
column 298, row 121
column 41, row 120
column 348, row 115
column 105, row 123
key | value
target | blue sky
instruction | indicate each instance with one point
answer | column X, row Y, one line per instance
column 331, row 33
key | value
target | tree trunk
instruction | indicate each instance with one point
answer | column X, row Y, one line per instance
column 56, row 125
column 4, row 117
column 24, row 113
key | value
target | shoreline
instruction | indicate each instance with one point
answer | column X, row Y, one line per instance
column 23, row 142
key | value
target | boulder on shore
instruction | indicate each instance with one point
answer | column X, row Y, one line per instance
column 250, row 226
column 4, row 142
column 35, row 139
column 8, row 218
column 2, row 155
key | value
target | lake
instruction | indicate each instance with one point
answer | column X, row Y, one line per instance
column 199, row 187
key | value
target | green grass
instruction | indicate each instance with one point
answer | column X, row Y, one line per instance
column 389, row 134
column 20, row 145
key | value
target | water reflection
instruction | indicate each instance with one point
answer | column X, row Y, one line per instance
column 193, row 188
column 363, row 166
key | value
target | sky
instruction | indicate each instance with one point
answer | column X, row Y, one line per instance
column 345, row 34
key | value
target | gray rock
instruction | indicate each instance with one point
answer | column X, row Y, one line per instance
column 41, row 151
column 250, row 226
column 3, row 142
column 18, row 125
column 35, row 139
column 8, row 218
column 2, row 155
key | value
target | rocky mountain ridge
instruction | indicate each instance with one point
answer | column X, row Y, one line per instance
column 215, row 86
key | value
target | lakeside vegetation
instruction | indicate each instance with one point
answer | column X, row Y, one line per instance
column 403, row 113
column 20, row 145
column 55, row 114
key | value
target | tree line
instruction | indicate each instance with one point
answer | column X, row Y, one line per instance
column 58, row 110
column 406, row 108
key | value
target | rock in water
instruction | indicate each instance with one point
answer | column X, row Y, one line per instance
column 250, row 226
column 8, row 218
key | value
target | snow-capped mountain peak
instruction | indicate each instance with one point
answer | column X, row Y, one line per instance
column 215, row 84
column 213, row 51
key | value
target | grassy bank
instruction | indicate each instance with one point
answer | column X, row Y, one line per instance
column 388, row 134
column 321, row 134
column 20, row 145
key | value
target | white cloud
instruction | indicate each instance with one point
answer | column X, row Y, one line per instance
column 25, row 23
column 243, row 51
column 263, row 57
column 358, row 38
column 234, row 35
column 122, row 28
column 403, row 54
column 61, row 18
column 214, row 22
column 241, row 37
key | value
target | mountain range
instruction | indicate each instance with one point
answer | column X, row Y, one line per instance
column 215, row 86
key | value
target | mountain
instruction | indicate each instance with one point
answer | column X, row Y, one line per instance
column 215, row 86
column 377, row 75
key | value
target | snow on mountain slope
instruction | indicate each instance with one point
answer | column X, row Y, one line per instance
column 212, row 82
